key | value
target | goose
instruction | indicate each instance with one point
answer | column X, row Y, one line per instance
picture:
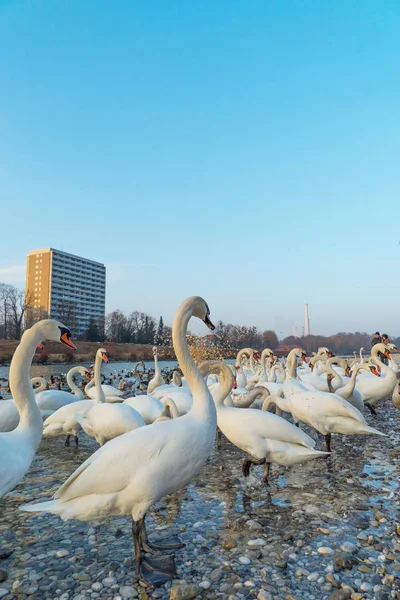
column 266, row 437
column 146, row 464
column 18, row 447
column 64, row 421
column 54, row 399
column 157, row 378
column 348, row 391
column 373, row 389
column 325, row 412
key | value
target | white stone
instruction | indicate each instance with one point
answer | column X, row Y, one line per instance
column 244, row 560
column 257, row 542
column 61, row 553
column 205, row 585
column 127, row 591
column 325, row 550
column 97, row 586
column 313, row 577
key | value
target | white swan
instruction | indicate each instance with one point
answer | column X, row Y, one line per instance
column 64, row 421
column 266, row 437
column 147, row 406
column 157, row 380
column 9, row 413
column 348, row 391
column 106, row 421
column 18, row 447
column 396, row 394
column 131, row 473
column 168, row 412
column 111, row 393
column 373, row 389
column 55, row 399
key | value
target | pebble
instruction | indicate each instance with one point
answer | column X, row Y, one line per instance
column 257, row 542
column 184, row 592
column 3, row 592
column 244, row 560
column 205, row 585
column 127, row 591
column 348, row 547
column 325, row 550
column 263, row 595
column 3, row 575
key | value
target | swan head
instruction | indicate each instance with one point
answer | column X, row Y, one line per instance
column 374, row 370
column 256, row 355
column 102, row 353
column 201, row 310
column 54, row 331
column 154, row 350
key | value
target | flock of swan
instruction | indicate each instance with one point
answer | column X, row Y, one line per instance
column 152, row 444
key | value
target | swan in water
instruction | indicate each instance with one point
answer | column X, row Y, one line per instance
column 64, row 421
column 157, row 380
column 54, row 399
column 145, row 465
column 373, row 389
column 266, row 437
column 18, row 447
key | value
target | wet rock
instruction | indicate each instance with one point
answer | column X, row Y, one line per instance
column 340, row 595
column 228, row 544
column 184, row 592
column 344, row 561
column 348, row 548
column 264, row 595
column 3, row 575
column 127, row 591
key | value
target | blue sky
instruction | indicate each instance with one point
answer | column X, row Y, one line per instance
column 248, row 152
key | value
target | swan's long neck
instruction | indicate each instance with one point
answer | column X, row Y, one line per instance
column 226, row 378
column 351, row 384
column 30, row 421
column 156, row 369
column 241, row 353
column 203, row 407
column 292, row 365
column 331, row 370
column 100, row 395
column 42, row 384
column 247, row 399
column 375, row 356
column 70, row 380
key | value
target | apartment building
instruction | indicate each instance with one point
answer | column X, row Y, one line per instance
column 66, row 287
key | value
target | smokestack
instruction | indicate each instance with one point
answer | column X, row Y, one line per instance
column 307, row 320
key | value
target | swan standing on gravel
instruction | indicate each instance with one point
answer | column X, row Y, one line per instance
column 18, row 447
column 130, row 474
column 373, row 389
column 266, row 437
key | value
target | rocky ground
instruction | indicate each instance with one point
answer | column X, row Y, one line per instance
column 325, row 530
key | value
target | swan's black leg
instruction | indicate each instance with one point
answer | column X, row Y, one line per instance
column 219, row 438
column 328, row 438
column 371, row 408
column 155, row 571
column 76, row 441
column 267, row 468
column 248, row 462
column 67, row 442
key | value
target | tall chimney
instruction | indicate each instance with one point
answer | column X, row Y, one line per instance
column 307, row 320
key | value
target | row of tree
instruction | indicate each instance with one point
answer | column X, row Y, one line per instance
column 140, row 328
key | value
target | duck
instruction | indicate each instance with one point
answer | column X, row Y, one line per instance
column 373, row 389
column 18, row 447
column 146, row 464
column 52, row 400
column 64, row 421
column 264, row 436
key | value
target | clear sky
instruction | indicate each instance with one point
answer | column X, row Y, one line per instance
column 248, row 152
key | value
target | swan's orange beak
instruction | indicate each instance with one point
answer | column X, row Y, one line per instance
column 256, row 356
column 348, row 371
column 311, row 367
column 374, row 370
column 304, row 358
column 387, row 354
column 237, row 367
column 105, row 357
column 65, row 340
column 330, row 354
column 235, row 384
column 394, row 349
column 40, row 346
column 87, row 375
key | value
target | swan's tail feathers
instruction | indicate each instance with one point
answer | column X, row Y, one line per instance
column 84, row 423
column 50, row 506
column 374, row 431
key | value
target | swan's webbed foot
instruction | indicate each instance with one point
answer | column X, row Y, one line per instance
column 328, row 439
column 248, row 462
column 156, row 571
column 67, row 440
column 370, row 408
column 172, row 542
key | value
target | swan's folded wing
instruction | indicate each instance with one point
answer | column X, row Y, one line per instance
column 111, row 468
column 329, row 405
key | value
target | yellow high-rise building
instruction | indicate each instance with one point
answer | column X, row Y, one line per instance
column 66, row 287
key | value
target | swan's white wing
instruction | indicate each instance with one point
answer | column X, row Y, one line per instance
column 325, row 404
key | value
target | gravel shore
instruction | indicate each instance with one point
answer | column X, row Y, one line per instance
column 325, row 530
